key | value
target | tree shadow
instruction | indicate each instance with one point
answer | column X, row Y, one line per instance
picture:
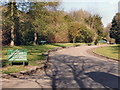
column 116, row 49
column 106, row 79
column 52, row 77
column 58, row 45
column 77, row 72
column 78, row 66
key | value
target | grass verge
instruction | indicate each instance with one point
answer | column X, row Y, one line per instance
column 109, row 51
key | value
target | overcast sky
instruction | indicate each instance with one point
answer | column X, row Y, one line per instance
column 105, row 8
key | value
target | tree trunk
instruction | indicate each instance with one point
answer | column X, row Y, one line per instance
column 12, row 27
column 12, row 36
column 35, row 39
column 73, row 40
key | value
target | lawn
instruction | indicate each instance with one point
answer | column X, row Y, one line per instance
column 34, row 54
column 108, row 51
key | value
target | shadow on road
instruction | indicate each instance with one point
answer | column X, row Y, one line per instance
column 53, row 77
column 77, row 72
column 106, row 79
column 81, row 72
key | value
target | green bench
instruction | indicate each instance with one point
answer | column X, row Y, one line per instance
column 43, row 42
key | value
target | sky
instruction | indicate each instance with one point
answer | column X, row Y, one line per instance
column 105, row 8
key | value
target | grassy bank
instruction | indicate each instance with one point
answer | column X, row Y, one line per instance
column 34, row 55
column 108, row 51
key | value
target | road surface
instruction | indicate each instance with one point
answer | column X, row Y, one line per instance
column 71, row 68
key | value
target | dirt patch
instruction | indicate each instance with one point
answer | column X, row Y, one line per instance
column 29, row 72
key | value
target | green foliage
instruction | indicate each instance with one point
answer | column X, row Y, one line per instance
column 98, row 39
column 27, row 33
column 57, row 30
column 44, row 22
column 86, row 35
column 8, row 21
column 95, row 23
column 80, row 33
column 68, row 18
column 74, row 31
column 115, row 28
column 91, row 21
column 5, row 33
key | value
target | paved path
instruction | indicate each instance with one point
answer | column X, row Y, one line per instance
column 71, row 68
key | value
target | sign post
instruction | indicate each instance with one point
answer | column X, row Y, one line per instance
column 17, row 55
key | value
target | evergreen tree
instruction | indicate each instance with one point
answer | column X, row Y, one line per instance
column 41, row 15
column 12, row 21
column 115, row 28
